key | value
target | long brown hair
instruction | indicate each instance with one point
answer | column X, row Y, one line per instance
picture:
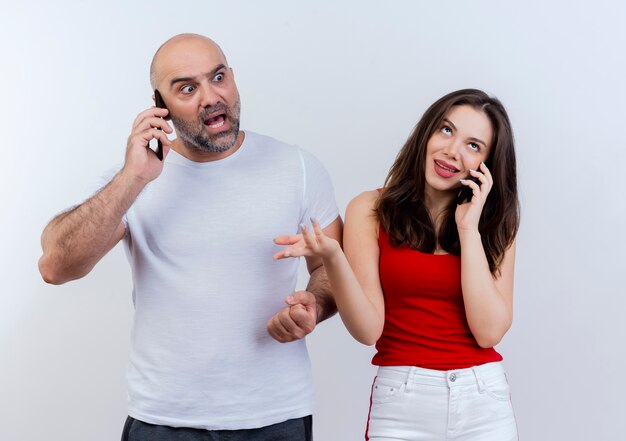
column 401, row 210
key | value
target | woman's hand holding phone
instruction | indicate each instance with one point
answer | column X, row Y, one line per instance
column 468, row 213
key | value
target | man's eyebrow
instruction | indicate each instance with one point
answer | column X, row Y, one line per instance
column 216, row 69
column 469, row 139
column 186, row 79
column 181, row 80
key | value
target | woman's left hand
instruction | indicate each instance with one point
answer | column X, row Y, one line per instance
column 308, row 244
column 467, row 215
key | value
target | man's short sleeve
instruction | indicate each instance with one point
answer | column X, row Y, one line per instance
column 319, row 195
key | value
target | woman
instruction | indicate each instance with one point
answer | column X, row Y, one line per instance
column 428, row 275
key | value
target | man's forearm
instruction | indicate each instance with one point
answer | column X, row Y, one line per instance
column 320, row 287
column 75, row 241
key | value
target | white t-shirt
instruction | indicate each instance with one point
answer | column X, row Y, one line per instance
column 200, row 244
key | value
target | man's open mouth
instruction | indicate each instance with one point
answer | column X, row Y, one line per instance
column 216, row 121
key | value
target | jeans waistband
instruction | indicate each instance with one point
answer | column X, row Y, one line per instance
column 452, row 378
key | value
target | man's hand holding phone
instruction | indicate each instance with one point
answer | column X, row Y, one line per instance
column 142, row 163
column 158, row 102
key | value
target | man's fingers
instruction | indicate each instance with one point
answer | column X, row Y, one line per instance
column 296, row 320
column 149, row 113
column 283, row 329
column 161, row 136
column 143, row 138
column 146, row 136
column 303, row 319
column 301, row 297
column 153, row 122
column 292, row 327
column 277, row 330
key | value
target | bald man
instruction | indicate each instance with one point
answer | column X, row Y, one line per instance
column 216, row 353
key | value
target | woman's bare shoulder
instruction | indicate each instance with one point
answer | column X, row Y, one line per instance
column 364, row 201
column 362, row 209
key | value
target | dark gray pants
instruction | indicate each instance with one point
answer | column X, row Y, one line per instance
column 299, row 429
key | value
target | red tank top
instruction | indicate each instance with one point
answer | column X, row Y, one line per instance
column 425, row 322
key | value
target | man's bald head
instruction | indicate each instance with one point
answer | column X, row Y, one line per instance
column 178, row 42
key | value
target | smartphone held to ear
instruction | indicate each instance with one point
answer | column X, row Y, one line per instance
column 466, row 193
column 158, row 101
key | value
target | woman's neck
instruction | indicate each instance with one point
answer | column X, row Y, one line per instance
column 437, row 202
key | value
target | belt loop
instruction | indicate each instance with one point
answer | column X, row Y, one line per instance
column 408, row 381
column 479, row 379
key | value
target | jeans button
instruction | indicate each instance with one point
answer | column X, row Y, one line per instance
column 452, row 376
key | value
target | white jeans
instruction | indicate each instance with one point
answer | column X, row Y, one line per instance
column 413, row 404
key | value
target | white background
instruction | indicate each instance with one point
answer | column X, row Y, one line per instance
column 347, row 81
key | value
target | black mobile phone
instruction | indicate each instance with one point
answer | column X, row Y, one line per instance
column 466, row 193
column 158, row 101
